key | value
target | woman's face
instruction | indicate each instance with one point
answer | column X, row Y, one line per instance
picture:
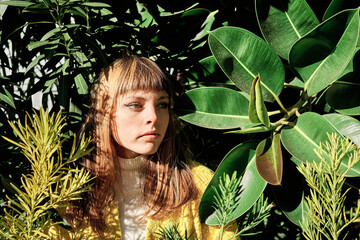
column 140, row 121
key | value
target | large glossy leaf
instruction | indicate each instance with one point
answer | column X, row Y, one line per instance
column 323, row 54
column 290, row 195
column 343, row 95
column 242, row 56
column 339, row 5
column 283, row 22
column 269, row 162
column 347, row 126
column 214, row 107
column 240, row 159
column 305, row 136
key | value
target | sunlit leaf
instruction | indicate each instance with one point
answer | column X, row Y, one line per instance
column 242, row 160
column 347, row 126
column 305, row 135
column 213, row 107
column 243, row 61
column 7, row 98
column 323, row 54
column 283, row 22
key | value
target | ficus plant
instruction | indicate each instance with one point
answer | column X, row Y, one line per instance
column 286, row 90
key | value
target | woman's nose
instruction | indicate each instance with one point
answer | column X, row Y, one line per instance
column 151, row 116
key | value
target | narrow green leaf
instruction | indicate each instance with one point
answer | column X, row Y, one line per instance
column 96, row 4
column 242, row 61
column 34, row 62
column 283, row 22
column 146, row 18
column 305, row 136
column 213, row 107
column 7, row 98
column 81, row 84
column 33, row 45
column 50, row 33
column 78, row 11
column 242, row 160
column 253, row 116
column 261, row 110
column 269, row 160
column 16, row 3
column 257, row 129
column 323, row 54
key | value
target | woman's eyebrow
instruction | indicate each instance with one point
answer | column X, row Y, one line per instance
column 163, row 97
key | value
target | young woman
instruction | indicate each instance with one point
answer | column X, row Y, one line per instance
column 144, row 180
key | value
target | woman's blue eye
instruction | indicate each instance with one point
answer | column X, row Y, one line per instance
column 133, row 105
column 163, row 105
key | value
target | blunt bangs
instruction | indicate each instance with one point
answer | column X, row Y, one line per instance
column 134, row 73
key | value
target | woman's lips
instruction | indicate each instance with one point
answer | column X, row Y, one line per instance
column 150, row 135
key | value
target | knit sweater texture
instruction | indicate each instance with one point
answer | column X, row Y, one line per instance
column 185, row 217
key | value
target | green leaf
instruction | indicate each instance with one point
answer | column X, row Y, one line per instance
column 78, row 11
column 283, row 22
column 242, row 56
column 323, row 54
column 269, row 160
column 81, row 84
column 339, row 5
column 96, row 4
column 50, row 33
column 240, row 159
column 305, row 136
column 146, row 18
column 213, row 107
column 33, row 45
column 7, row 98
column 261, row 110
column 257, row 129
column 253, row 116
column 343, row 94
column 34, row 62
column 16, row 3
column 347, row 126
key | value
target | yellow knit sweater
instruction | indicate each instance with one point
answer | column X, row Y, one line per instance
column 186, row 217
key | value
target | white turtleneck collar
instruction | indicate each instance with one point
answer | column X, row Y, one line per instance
column 129, row 193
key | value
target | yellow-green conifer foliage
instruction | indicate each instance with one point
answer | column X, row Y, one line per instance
column 327, row 216
column 53, row 180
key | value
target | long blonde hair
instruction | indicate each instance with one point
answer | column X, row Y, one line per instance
column 168, row 180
